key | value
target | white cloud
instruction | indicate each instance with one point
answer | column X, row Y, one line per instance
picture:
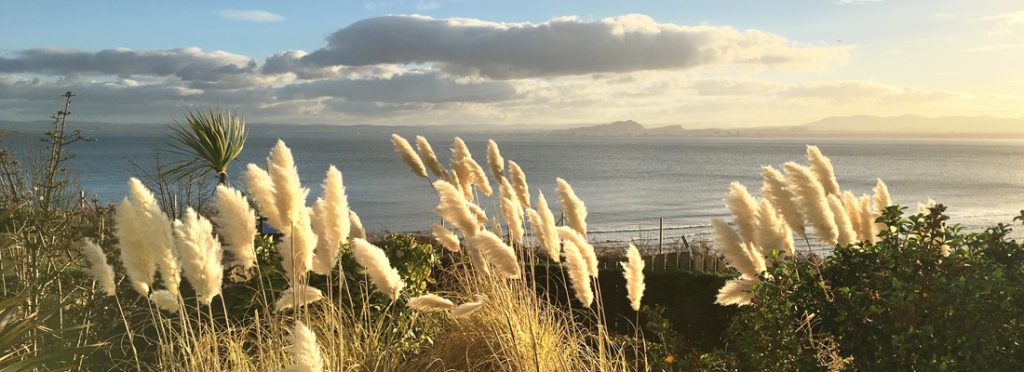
column 1004, row 23
column 995, row 48
column 251, row 15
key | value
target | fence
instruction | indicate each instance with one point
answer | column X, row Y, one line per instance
column 694, row 262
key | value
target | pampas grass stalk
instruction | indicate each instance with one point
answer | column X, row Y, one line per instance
column 378, row 268
column 579, row 274
column 296, row 248
column 518, row 179
column 744, row 207
column 585, row 249
column 736, row 292
column 297, row 295
column 813, row 202
column 409, row 156
column 236, row 223
column 430, row 158
column 544, row 228
column 331, row 222
column 844, row 229
column 356, row 229
column 200, row 254
column 498, row 254
column 633, row 271
column 772, row 232
column 574, row 208
column 304, row 350
column 100, row 270
column 430, row 303
column 775, row 189
column 731, row 246
column 821, row 166
column 446, row 237
column 494, row 160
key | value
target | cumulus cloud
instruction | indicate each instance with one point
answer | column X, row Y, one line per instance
column 252, row 15
column 561, row 46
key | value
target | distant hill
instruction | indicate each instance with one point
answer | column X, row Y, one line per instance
column 619, row 128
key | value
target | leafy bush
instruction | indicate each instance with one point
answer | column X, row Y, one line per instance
column 926, row 296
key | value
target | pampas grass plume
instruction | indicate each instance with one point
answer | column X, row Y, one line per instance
column 464, row 309
column 882, row 198
column 261, row 187
column 744, row 207
column 633, row 271
column 574, row 208
column 296, row 296
column 330, row 222
column 852, row 206
column 289, row 195
column 518, row 179
column 304, row 350
column 200, row 255
column 821, row 166
column 237, row 225
column 867, row 223
column 585, row 249
column 430, row 302
column 544, row 228
column 777, row 192
column 377, row 267
column 446, row 237
column 100, row 270
column 844, row 229
column 356, row 229
column 579, row 275
column 512, row 211
column 165, row 300
column 408, row 155
column 454, row 209
column 731, row 246
column 497, row 253
column 430, row 158
column 138, row 260
column 813, row 201
column 772, row 232
column 736, row 292
column 494, row 160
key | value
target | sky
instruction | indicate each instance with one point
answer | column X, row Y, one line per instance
column 725, row 63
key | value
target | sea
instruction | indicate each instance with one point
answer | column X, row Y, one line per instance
column 633, row 187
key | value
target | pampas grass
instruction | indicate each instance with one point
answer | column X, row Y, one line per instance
column 574, row 208
column 585, row 249
column 882, row 198
column 296, row 249
column 844, row 229
column 408, row 155
column 732, row 247
column 867, row 223
column 236, row 223
column 430, row 303
column 511, row 210
column 430, row 158
column 289, row 195
column 498, row 254
column 772, row 232
column 261, row 187
column 297, row 296
column 852, row 206
column 100, row 270
column 518, row 179
column 736, row 292
column 304, row 350
column 356, row 226
column 544, row 228
column 200, row 255
column 468, row 170
column 467, row 308
column 138, row 259
column 821, row 166
column 633, row 271
column 377, row 267
column 494, row 160
column 454, row 209
column 145, row 240
column 446, row 237
column 579, row 274
column 331, row 222
column 744, row 207
column 813, row 201
column 776, row 190
column 165, row 300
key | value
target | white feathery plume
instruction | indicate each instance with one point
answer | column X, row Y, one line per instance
column 497, row 253
column 430, row 158
column 296, row 296
column 430, row 302
column 466, row 308
column 755, row 256
column 476, row 256
column 330, row 223
column 821, row 166
column 138, row 259
column 262, row 189
column 454, row 209
column 377, row 267
column 296, row 248
column 744, row 207
column 165, row 300
column 518, row 179
column 926, row 208
column 511, row 210
column 633, row 271
column 446, row 237
column 882, row 198
column 155, row 233
column 478, row 176
column 544, row 228
column 200, row 255
column 574, row 208
column 356, row 230
column 578, row 273
column 481, row 216
column 289, row 195
column 408, row 155
column 813, row 201
column 581, row 243
column 494, row 160
column 844, row 229
column 731, row 246
column 100, row 270
column 736, row 292
column 469, row 170
column 772, row 232
column 236, row 223
column 463, row 178
column 852, row 206
column 775, row 189
column 867, row 223
column 304, row 350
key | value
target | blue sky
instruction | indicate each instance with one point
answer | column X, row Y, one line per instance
column 839, row 58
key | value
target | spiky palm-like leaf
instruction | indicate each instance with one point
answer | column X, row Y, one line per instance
column 209, row 141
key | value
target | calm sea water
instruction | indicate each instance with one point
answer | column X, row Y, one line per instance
column 627, row 183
